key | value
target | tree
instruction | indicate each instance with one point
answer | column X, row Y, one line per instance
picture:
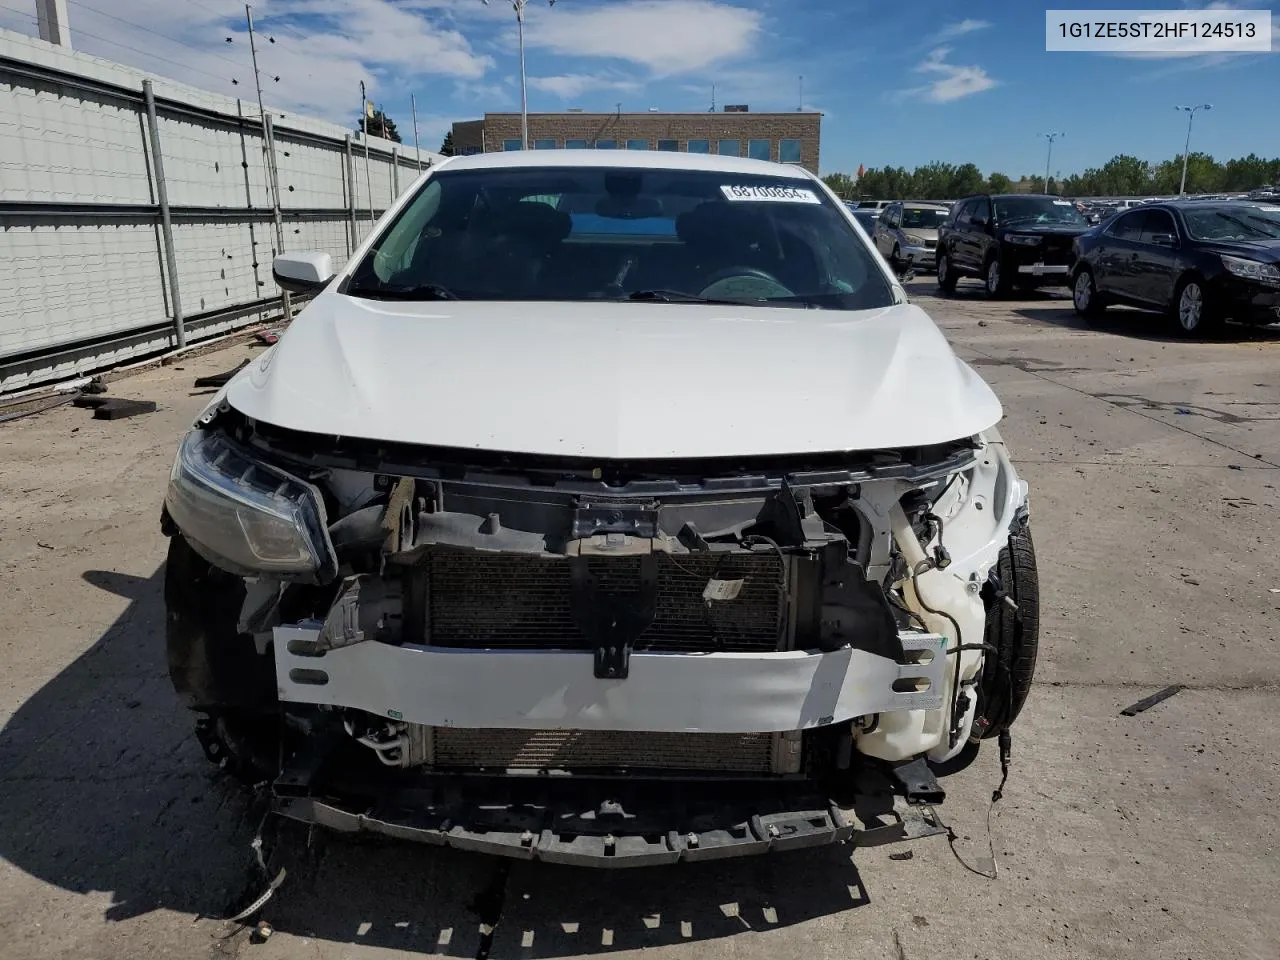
column 379, row 125
column 842, row 185
column 446, row 148
column 966, row 179
column 999, row 183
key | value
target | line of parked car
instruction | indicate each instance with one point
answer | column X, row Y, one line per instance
column 1199, row 261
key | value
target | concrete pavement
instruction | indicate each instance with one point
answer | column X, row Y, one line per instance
column 1153, row 463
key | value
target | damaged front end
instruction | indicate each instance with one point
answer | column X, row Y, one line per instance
column 607, row 662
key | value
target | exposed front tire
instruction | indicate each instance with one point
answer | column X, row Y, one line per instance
column 217, row 670
column 1084, row 295
column 1007, row 674
column 947, row 276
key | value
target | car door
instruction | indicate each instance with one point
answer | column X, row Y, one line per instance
column 1115, row 262
column 1156, row 266
column 978, row 234
column 884, row 229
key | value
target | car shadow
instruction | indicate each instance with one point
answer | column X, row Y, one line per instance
column 106, row 791
column 1144, row 325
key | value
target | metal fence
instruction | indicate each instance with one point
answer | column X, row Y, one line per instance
column 136, row 213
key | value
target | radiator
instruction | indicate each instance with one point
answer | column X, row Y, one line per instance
column 603, row 750
column 479, row 599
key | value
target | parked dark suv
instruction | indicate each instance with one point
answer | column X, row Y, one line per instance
column 1007, row 239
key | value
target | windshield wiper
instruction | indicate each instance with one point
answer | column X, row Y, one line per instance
column 417, row 291
column 679, row 296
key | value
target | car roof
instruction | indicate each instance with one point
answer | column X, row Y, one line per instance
column 634, row 159
column 924, row 204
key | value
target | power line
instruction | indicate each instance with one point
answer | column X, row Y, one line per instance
column 157, row 33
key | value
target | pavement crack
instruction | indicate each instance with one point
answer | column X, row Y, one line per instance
column 1130, row 408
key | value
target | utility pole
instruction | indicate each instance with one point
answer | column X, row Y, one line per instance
column 413, row 103
column 1051, row 136
column 1186, row 150
column 518, row 6
column 51, row 18
column 364, row 128
column 269, row 154
column 800, row 104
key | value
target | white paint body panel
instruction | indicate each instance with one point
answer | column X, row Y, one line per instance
column 617, row 380
column 666, row 692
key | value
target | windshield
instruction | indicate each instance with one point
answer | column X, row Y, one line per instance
column 1233, row 223
column 922, row 218
column 616, row 233
column 1037, row 210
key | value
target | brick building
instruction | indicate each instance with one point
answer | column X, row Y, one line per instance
column 781, row 137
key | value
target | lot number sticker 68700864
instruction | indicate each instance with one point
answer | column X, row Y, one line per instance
column 777, row 194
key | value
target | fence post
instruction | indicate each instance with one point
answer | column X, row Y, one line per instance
column 269, row 130
column 395, row 173
column 351, row 196
column 166, row 224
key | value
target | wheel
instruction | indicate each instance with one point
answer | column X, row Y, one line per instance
column 895, row 259
column 994, row 280
column 217, row 670
column 1192, row 310
column 1085, row 297
column 1007, row 673
column 947, row 277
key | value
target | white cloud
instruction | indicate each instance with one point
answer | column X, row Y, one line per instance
column 667, row 37
column 959, row 29
column 571, row 85
column 954, row 81
column 323, row 49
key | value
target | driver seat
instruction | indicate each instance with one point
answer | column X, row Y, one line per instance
column 718, row 234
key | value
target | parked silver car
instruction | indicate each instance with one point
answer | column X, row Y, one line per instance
column 909, row 230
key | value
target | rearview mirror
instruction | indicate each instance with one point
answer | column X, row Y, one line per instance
column 1164, row 240
column 302, row 272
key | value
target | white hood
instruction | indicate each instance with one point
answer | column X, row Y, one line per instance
column 616, row 380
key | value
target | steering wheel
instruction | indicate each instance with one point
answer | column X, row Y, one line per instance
column 743, row 283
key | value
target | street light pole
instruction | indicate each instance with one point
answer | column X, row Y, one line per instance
column 518, row 6
column 1050, row 136
column 1186, row 149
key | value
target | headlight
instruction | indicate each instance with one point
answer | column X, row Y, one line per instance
column 1024, row 241
column 915, row 241
column 247, row 517
column 1251, row 269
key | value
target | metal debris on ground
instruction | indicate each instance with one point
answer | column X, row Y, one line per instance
column 220, row 379
column 1148, row 702
column 114, row 408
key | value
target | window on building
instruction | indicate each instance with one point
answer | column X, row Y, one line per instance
column 575, row 143
column 637, row 144
column 759, row 149
column 606, row 144
column 545, row 143
column 699, row 146
column 514, row 143
column 729, row 148
column 671, row 146
column 789, row 151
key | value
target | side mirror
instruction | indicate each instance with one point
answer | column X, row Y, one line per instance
column 302, row 272
column 1164, row 240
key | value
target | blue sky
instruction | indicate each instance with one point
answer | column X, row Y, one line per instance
column 899, row 84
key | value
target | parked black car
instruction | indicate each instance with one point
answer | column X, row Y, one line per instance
column 1201, row 262
column 1007, row 239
